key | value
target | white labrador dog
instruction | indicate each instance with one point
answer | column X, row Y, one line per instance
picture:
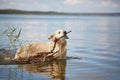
column 37, row 47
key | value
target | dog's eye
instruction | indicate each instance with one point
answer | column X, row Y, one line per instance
column 58, row 32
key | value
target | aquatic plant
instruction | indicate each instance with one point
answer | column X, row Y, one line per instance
column 13, row 35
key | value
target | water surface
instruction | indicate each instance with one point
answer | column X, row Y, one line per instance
column 94, row 40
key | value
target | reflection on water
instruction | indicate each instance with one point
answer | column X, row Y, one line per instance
column 54, row 70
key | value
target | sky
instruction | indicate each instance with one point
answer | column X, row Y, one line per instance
column 63, row 5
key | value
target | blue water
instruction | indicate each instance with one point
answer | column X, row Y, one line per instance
column 94, row 39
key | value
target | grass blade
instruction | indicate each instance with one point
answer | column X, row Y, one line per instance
column 4, row 32
column 19, row 33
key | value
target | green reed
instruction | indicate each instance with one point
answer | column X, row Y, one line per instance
column 13, row 35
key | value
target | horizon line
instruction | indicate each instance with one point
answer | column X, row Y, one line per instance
column 55, row 11
column 17, row 11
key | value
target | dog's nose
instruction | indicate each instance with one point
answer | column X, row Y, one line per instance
column 65, row 32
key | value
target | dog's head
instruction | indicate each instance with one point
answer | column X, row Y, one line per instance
column 58, row 34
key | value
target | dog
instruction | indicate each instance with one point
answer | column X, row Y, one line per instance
column 32, row 49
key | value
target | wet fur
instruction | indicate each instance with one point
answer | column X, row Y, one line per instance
column 33, row 48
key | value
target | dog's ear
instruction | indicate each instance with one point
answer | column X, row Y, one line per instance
column 51, row 37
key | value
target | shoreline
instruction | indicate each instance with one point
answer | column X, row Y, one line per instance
column 18, row 12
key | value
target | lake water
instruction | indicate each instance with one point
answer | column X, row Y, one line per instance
column 94, row 43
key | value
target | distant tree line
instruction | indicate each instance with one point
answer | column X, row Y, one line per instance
column 12, row 11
